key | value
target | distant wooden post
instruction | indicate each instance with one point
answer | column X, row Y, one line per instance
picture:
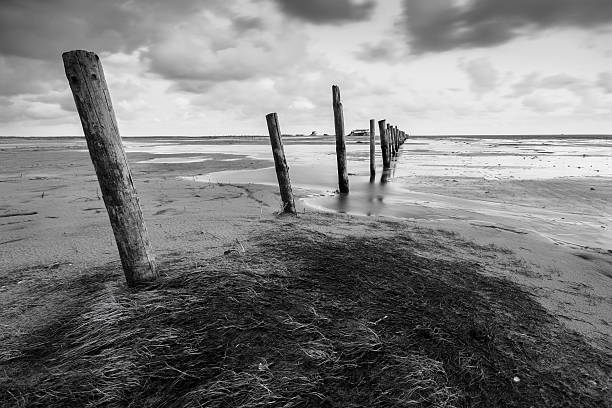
column 282, row 169
column 397, row 139
column 93, row 102
column 384, row 144
column 389, row 138
column 343, row 182
column 372, row 147
column 394, row 140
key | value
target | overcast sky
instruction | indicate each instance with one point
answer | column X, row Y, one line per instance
column 203, row 67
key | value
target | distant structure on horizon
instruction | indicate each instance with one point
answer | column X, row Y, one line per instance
column 360, row 132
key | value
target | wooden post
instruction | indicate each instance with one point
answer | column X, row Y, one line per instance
column 389, row 138
column 394, row 140
column 282, row 169
column 93, row 102
column 397, row 136
column 343, row 182
column 372, row 147
column 384, row 144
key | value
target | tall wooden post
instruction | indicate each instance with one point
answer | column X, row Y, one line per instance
column 343, row 182
column 93, row 102
column 282, row 169
column 372, row 147
column 384, row 144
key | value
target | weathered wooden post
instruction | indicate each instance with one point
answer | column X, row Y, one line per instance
column 343, row 182
column 384, row 144
column 282, row 169
column 372, row 147
column 390, row 138
column 397, row 139
column 93, row 102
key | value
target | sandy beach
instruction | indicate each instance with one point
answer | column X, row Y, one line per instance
column 64, row 222
column 54, row 228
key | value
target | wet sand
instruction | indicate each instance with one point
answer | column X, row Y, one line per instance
column 52, row 218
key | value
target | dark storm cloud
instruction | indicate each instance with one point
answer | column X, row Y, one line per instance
column 441, row 25
column 327, row 11
column 41, row 29
column 34, row 33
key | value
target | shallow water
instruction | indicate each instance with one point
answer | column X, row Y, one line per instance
column 453, row 157
column 313, row 173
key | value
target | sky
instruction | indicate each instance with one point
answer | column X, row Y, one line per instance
column 217, row 67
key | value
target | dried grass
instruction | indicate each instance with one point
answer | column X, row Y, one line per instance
column 303, row 319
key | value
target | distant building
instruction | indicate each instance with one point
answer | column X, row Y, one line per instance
column 360, row 132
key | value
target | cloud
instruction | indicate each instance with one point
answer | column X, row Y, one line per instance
column 25, row 76
column 441, row 25
column 43, row 29
column 604, row 81
column 544, row 102
column 482, row 75
column 213, row 47
column 534, row 81
column 242, row 24
column 384, row 51
column 192, row 43
column 563, row 92
column 302, row 104
column 26, row 109
column 327, row 11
